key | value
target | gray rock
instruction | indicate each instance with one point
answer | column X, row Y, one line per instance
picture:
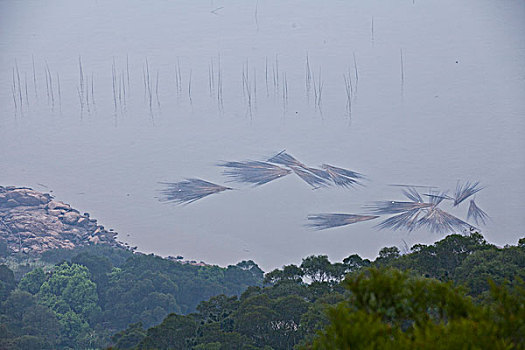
column 82, row 221
column 58, row 205
column 32, row 222
column 94, row 239
column 70, row 218
column 55, row 212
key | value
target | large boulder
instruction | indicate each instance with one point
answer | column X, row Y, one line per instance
column 70, row 218
column 27, row 197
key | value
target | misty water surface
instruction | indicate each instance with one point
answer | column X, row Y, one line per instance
column 438, row 97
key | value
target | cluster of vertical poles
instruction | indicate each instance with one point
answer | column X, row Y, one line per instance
column 275, row 83
column 85, row 90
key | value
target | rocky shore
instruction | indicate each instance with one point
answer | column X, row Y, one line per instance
column 33, row 222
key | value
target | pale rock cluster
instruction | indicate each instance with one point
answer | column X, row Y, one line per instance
column 33, row 222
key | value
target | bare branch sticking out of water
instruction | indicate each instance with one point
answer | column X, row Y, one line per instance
column 127, row 70
column 277, row 72
column 356, row 73
column 255, row 15
column 476, row 213
column 59, row 92
column 189, row 90
column 34, row 76
column 285, row 92
column 220, row 99
column 308, row 79
column 13, row 89
column 189, row 191
column 325, row 221
column 320, row 84
column 148, row 84
column 349, row 92
column 92, row 90
column 25, row 88
column 402, row 72
column 157, row 88
column 372, row 30
column 266, row 76
column 254, row 172
column 19, row 86
column 466, row 190
column 114, row 86
column 50, row 86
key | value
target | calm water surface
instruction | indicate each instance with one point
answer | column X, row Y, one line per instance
column 438, row 97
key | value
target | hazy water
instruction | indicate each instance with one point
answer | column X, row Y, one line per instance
column 455, row 113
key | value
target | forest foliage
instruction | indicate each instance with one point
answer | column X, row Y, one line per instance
column 460, row 291
column 87, row 295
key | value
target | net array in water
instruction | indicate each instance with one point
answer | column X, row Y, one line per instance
column 418, row 211
column 189, row 190
column 258, row 173
column 414, row 213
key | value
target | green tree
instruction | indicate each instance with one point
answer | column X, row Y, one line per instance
column 15, row 307
column 32, row 281
column 498, row 265
column 72, row 329
column 521, row 243
column 71, row 294
column 7, row 282
column 70, row 284
column 98, row 266
column 317, row 268
column 441, row 259
column 255, row 316
column 387, row 254
column 289, row 273
column 135, row 296
column 315, row 318
column 217, row 308
column 26, row 324
column 31, row 342
column 286, row 326
column 338, row 272
column 390, row 309
column 4, row 248
column 130, row 337
column 213, row 336
column 175, row 332
column 354, row 262
column 41, row 321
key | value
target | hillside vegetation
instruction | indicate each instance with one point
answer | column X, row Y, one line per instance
column 96, row 291
column 460, row 291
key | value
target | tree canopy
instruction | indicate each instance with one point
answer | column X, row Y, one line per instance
column 460, row 290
